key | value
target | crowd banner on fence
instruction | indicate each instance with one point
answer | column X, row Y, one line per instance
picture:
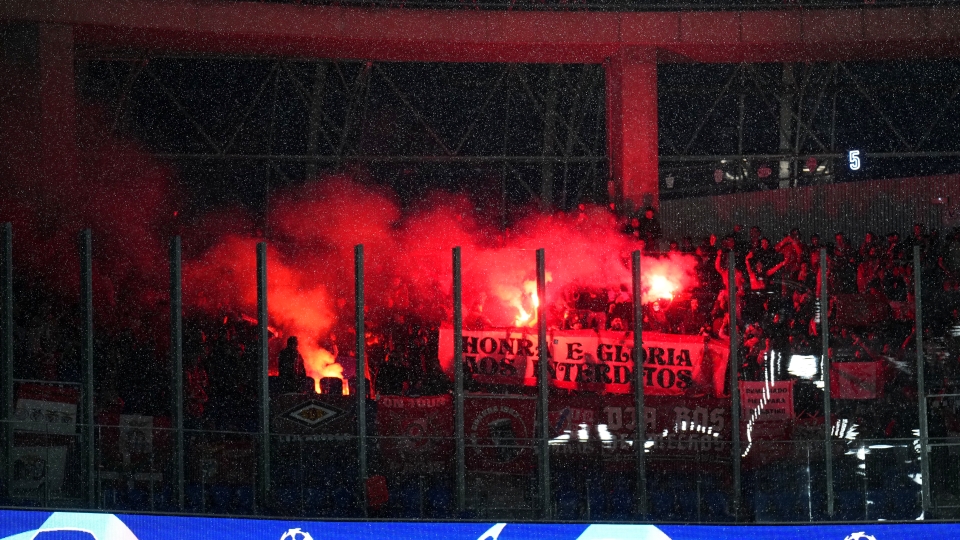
column 856, row 380
column 415, row 432
column 123, row 436
column 500, row 434
column 603, row 361
column 767, row 418
column 229, row 459
column 47, row 408
column 765, row 401
column 313, row 417
column 133, row 448
column 593, row 361
column 684, row 428
column 862, row 310
column 45, row 425
column 37, row 471
column 500, row 356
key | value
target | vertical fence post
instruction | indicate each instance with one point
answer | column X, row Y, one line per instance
column 6, row 349
column 734, row 381
column 458, row 381
column 825, row 369
column 86, row 354
column 176, row 361
column 640, row 433
column 263, row 375
column 361, row 377
column 921, row 390
column 543, row 433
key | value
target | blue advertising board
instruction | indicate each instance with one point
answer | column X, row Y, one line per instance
column 30, row 525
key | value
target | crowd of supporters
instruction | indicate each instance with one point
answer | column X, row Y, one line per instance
column 871, row 312
column 870, row 285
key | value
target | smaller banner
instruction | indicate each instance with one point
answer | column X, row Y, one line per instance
column 677, row 429
column 499, row 432
column 47, row 408
column 37, row 471
column 228, row 459
column 135, row 444
column 861, row 310
column 314, row 416
column 764, row 401
column 855, row 380
column 136, row 434
column 416, row 434
column 767, row 416
column 45, row 426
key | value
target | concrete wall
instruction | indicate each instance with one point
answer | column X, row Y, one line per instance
column 880, row 206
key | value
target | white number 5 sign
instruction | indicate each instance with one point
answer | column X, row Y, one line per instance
column 854, row 158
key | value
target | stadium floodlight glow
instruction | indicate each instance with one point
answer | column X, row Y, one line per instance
column 803, row 366
column 562, row 438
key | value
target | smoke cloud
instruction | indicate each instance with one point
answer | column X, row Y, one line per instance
column 120, row 192
column 408, row 263
column 131, row 202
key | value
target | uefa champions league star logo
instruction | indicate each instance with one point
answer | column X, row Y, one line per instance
column 860, row 536
column 95, row 526
column 296, row 534
column 493, row 533
column 592, row 532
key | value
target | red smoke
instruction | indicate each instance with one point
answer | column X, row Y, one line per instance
column 130, row 202
column 666, row 278
column 119, row 192
column 314, row 229
column 225, row 278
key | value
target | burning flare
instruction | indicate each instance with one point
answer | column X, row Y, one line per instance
column 524, row 317
column 661, row 287
column 664, row 278
column 525, row 302
column 319, row 363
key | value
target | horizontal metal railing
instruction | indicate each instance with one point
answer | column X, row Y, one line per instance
column 619, row 5
column 315, row 477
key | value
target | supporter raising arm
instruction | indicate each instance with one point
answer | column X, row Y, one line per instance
column 758, row 277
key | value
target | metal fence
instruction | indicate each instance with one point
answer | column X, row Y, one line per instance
column 61, row 456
